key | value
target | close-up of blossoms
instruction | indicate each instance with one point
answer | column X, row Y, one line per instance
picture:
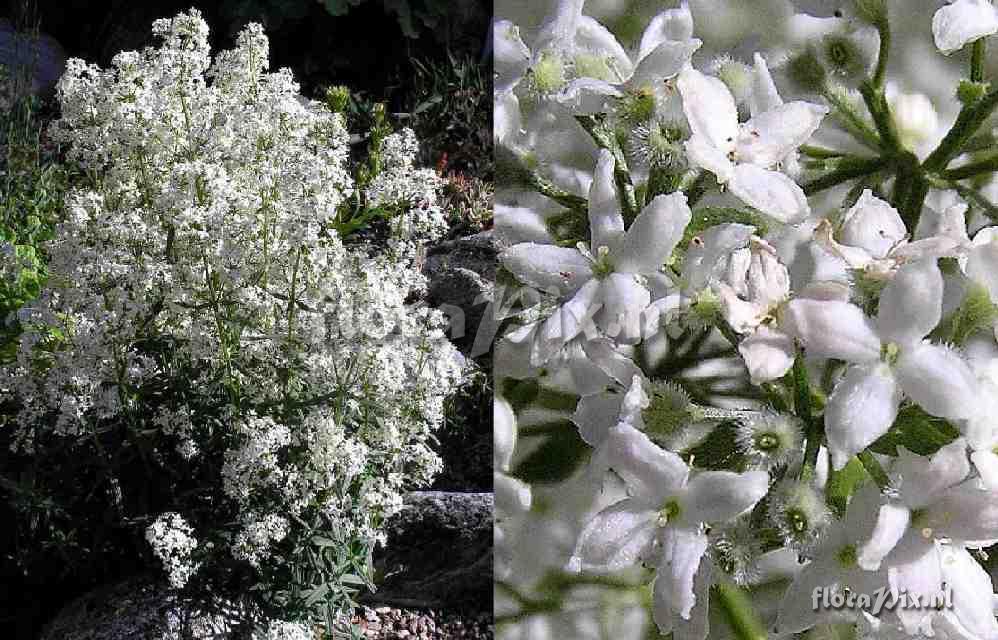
column 748, row 307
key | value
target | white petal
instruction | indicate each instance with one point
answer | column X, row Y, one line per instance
column 742, row 315
column 972, row 588
column 702, row 153
column 559, row 28
column 584, row 96
column 671, row 24
column 705, row 260
column 663, row 62
column 872, row 224
column 697, row 626
column 915, row 568
column 512, row 495
column 861, row 409
column 651, row 473
column 939, row 380
column 547, row 267
column 503, row 434
column 595, row 39
column 511, row 55
column 624, row 301
column 606, row 355
column 832, row 329
column 719, row 496
column 771, row 192
column 685, row 550
column 922, row 478
column 596, row 414
column 892, row 522
column 768, row 354
column 764, row 95
column 982, row 260
column 618, row 537
column 986, row 463
column 709, row 107
column 964, row 512
column 962, row 22
column 605, row 222
column 797, row 612
column 506, row 120
column 771, row 136
column 568, row 321
column 911, row 303
column 653, row 235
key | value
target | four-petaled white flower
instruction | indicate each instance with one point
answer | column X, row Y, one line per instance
column 743, row 156
column 962, row 22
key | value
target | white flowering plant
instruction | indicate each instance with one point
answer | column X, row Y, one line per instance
column 247, row 380
column 746, row 369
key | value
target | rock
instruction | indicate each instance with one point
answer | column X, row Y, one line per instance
column 439, row 553
column 36, row 59
column 136, row 609
column 461, row 273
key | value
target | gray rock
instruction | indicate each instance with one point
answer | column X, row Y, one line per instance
column 439, row 553
column 35, row 62
column 140, row 608
column 461, row 274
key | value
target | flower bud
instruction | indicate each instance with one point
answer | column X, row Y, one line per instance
column 337, row 99
column 736, row 75
column 769, row 440
column 806, row 71
column 914, row 117
column 798, row 512
column 669, row 408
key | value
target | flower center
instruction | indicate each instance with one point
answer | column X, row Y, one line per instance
column 549, row 73
column 639, row 106
column 889, row 353
column 591, row 66
column 602, row 265
column 796, row 520
column 669, row 511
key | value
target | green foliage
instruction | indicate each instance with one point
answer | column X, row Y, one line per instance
column 450, row 110
column 413, row 15
column 557, row 457
column 916, row 431
column 32, row 184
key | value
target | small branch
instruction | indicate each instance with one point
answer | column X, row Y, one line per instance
column 802, row 405
column 851, row 120
column 884, row 29
column 848, row 168
column 988, row 165
column 968, row 121
column 873, row 468
column 820, row 152
column 977, row 61
column 738, row 611
column 595, row 126
column 876, row 102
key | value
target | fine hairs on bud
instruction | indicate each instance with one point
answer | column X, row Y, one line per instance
column 736, row 549
column 769, row 440
column 660, row 144
column 669, row 408
column 736, row 75
column 798, row 512
column 806, row 70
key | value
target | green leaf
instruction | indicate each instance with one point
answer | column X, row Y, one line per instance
column 556, row 459
column 917, row 431
column 842, row 483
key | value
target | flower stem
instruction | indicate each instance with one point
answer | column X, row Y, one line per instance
column 802, row 406
column 604, row 137
column 987, row 165
column 853, row 122
column 846, row 169
column 968, row 121
column 738, row 611
column 884, row 29
column 873, row 468
column 977, row 61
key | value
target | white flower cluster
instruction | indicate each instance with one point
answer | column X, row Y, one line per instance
column 775, row 321
column 200, row 295
column 172, row 541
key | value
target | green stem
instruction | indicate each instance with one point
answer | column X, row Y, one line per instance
column 975, row 198
column 968, row 121
column 873, row 468
column 977, row 61
column 876, row 102
column 884, row 29
column 851, row 120
column 847, row 168
column 814, row 151
column 739, row 613
column 987, row 165
column 802, row 407
column 604, row 137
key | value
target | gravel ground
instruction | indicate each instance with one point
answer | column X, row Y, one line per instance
column 386, row 623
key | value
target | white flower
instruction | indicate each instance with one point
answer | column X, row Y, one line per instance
column 743, row 156
column 962, row 22
column 661, row 523
column 891, row 358
column 173, row 542
column 874, row 239
column 605, row 282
